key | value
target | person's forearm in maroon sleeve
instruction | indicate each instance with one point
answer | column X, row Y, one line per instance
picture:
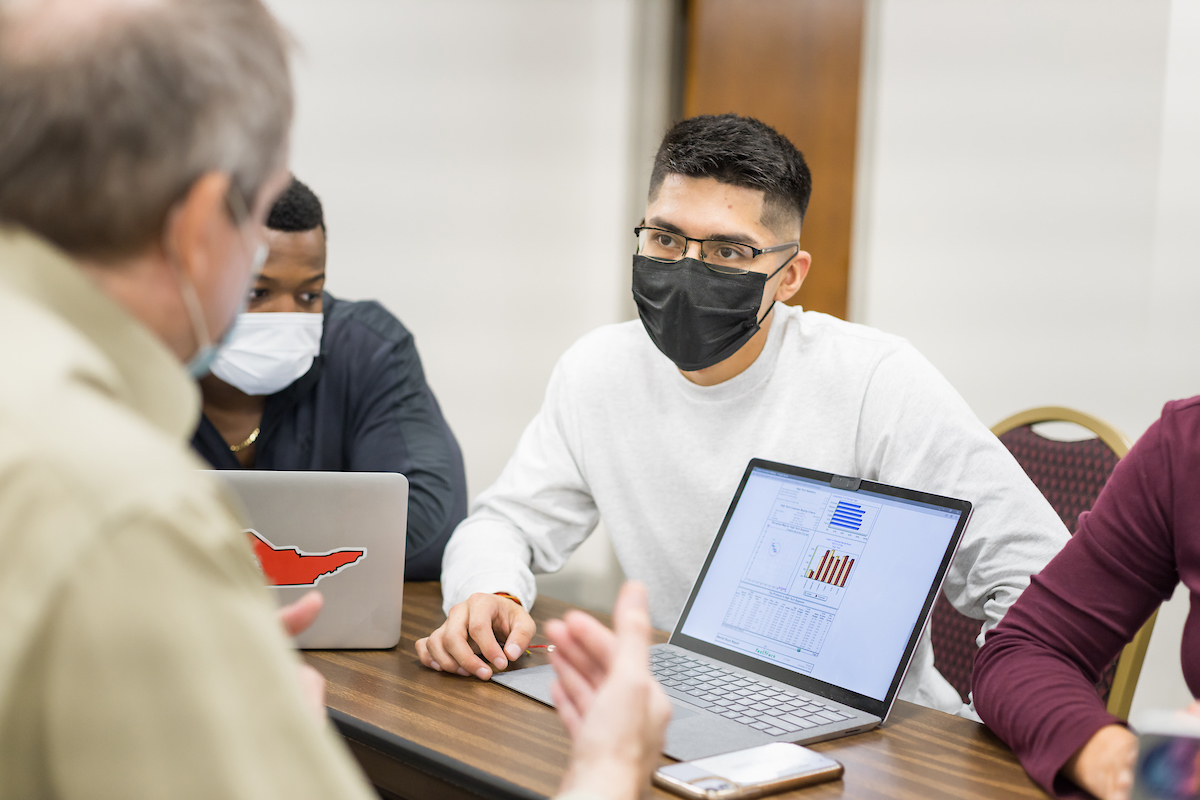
column 1034, row 677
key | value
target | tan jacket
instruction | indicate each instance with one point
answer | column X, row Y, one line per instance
column 140, row 656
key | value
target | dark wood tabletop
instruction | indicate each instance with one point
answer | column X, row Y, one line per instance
column 420, row 733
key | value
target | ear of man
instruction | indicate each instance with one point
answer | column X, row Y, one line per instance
column 196, row 223
column 792, row 276
column 209, row 245
column 209, row 248
column 785, row 221
column 148, row 283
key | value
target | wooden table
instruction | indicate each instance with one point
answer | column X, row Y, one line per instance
column 425, row 734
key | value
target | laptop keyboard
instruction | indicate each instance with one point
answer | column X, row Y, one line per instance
column 739, row 697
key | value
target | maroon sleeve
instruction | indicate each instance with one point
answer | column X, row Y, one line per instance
column 1034, row 677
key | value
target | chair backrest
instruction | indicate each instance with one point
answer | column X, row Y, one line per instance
column 1070, row 474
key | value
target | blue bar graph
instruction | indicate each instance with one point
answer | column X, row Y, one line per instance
column 847, row 516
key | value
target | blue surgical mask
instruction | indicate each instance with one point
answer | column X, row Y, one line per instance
column 201, row 363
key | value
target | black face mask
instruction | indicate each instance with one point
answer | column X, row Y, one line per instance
column 695, row 316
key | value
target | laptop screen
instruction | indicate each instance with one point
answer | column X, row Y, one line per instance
column 824, row 582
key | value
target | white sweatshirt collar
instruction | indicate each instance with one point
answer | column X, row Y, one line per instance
column 752, row 377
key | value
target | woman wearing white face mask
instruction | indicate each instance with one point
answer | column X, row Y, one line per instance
column 306, row 381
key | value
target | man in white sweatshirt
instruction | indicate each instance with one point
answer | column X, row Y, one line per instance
column 650, row 424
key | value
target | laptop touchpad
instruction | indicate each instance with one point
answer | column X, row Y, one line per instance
column 679, row 712
column 535, row 682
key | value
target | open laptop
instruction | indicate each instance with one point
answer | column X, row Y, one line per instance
column 806, row 614
column 342, row 533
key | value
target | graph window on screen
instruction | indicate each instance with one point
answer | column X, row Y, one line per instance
column 802, row 565
column 822, row 580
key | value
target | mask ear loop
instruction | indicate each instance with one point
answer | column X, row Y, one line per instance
column 772, row 275
column 239, row 214
column 191, row 302
column 195, row 312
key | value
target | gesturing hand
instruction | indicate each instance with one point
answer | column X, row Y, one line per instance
column 295, row 618
column 609, row 702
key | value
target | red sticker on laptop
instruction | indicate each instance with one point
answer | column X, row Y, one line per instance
column 290, row 566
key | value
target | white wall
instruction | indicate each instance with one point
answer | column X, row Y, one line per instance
column 482, row 164
column 1028, row 209
column 471, row 156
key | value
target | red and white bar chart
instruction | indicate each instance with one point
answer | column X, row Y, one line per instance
column 833, row 568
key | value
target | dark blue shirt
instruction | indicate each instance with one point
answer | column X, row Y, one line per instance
column 364, row 406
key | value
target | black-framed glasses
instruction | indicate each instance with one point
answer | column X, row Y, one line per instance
column 727, row 258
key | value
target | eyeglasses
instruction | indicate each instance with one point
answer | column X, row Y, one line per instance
column 727, row 258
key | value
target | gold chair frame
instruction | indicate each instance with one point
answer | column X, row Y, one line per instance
column 1129, row 665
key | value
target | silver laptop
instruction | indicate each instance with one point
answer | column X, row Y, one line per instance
column 806, row 614
column 341, row 533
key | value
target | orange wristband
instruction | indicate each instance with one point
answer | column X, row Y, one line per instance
column 510, row 597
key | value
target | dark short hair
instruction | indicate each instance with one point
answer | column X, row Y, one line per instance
column 740, row 151
column 297, row 209
column 102, row 133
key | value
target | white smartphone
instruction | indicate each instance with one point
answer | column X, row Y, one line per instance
column 754, row 772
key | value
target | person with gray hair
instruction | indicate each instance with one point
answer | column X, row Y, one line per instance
column 141, row 144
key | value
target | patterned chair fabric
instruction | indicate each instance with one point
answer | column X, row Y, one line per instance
column 1070, row 475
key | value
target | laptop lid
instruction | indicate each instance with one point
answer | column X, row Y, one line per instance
column 822, row 582
column 342, row 533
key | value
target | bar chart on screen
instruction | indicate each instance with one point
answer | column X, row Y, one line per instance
column 822, row 578
column 835, row 549
column 830, row 568
column 833, row 569
column 847, row 516
column 802, row 564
